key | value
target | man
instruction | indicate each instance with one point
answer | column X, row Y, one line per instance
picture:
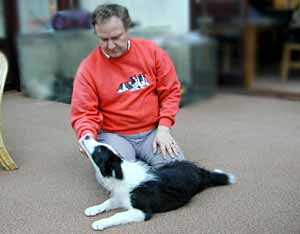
column 126, row 92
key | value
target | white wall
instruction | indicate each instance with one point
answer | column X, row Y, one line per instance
column 171, row 13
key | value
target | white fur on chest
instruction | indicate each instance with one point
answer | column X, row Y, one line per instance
column 134, row 173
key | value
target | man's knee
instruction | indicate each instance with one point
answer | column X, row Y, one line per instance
column 119, row 143
column 158, row 159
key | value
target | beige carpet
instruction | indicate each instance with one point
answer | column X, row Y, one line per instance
column 258, row 139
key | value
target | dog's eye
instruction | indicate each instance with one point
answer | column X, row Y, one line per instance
column 98, row 150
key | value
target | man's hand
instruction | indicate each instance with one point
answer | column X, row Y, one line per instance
column 81, row 150
column 166, row 142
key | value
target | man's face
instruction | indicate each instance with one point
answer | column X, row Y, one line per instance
column 112, row 37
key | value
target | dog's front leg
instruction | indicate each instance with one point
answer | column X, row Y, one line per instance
column 129, row 216
column 109, row 204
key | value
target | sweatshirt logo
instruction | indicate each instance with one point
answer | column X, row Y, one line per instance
column 135, row 83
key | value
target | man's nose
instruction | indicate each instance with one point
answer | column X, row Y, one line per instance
column 110, row 44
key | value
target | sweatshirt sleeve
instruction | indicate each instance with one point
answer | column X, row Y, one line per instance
column 168, row 88
column 85, row 116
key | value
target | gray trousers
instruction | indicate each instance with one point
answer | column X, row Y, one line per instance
column 134, row 147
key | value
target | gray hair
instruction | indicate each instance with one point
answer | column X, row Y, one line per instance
column 105, row 11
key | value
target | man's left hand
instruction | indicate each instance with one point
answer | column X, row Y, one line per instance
column 166, row 142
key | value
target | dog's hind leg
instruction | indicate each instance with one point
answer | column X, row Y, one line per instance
column 129, row 216
column 109, row 204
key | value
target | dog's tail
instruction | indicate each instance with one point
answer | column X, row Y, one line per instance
column 219, row 177
column 214, row 178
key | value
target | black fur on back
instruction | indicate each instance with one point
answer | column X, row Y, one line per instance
column 177, row 182
column 107, row 162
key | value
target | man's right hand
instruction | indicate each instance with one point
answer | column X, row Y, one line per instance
column 81, row 150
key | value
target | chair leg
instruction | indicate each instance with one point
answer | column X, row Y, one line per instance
column 5, row 160
column 285, row 63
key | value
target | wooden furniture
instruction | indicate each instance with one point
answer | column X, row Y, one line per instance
column 5, row 159
column 252, row 30
column 287, row 61
column 251, row 34
column 278, row 17
column 223, row 21
column 285, row 4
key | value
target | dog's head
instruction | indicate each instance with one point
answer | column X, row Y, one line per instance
column 108, row 162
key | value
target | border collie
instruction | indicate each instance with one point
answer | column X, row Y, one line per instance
column 142, row 190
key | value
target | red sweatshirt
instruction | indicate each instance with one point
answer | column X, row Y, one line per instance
column 129, row 94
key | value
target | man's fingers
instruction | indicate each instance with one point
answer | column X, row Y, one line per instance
column 82, row 151
column 175, row 148
column 163, row 151
column 165, row 143
column 171, row 149
column 171, row 152
column 154, row 146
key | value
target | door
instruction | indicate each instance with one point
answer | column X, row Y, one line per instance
column 8, row 29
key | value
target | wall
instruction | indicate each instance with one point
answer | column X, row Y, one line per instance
column 170, row 13
column 2, row 26
column 174, row 14
column 34, row 16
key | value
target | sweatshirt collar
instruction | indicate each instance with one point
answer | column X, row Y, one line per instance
column 107, row 56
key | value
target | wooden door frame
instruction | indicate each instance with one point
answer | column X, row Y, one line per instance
column 8, row 44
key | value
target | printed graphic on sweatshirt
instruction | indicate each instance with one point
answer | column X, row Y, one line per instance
column 135, row 83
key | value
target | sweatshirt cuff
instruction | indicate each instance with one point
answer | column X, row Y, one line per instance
column 166, row 122
column 85, row 132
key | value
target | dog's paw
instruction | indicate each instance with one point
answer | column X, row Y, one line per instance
column 99, row 225
column 92, row 211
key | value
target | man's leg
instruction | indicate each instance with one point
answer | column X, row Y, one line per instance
column 119, row 143
column 145, row 152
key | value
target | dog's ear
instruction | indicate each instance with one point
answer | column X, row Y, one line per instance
column 116, row 166
column 107, row 162
column 96, row 156
column 101, row 157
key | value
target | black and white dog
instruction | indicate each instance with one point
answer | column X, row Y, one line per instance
column 142, row 190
